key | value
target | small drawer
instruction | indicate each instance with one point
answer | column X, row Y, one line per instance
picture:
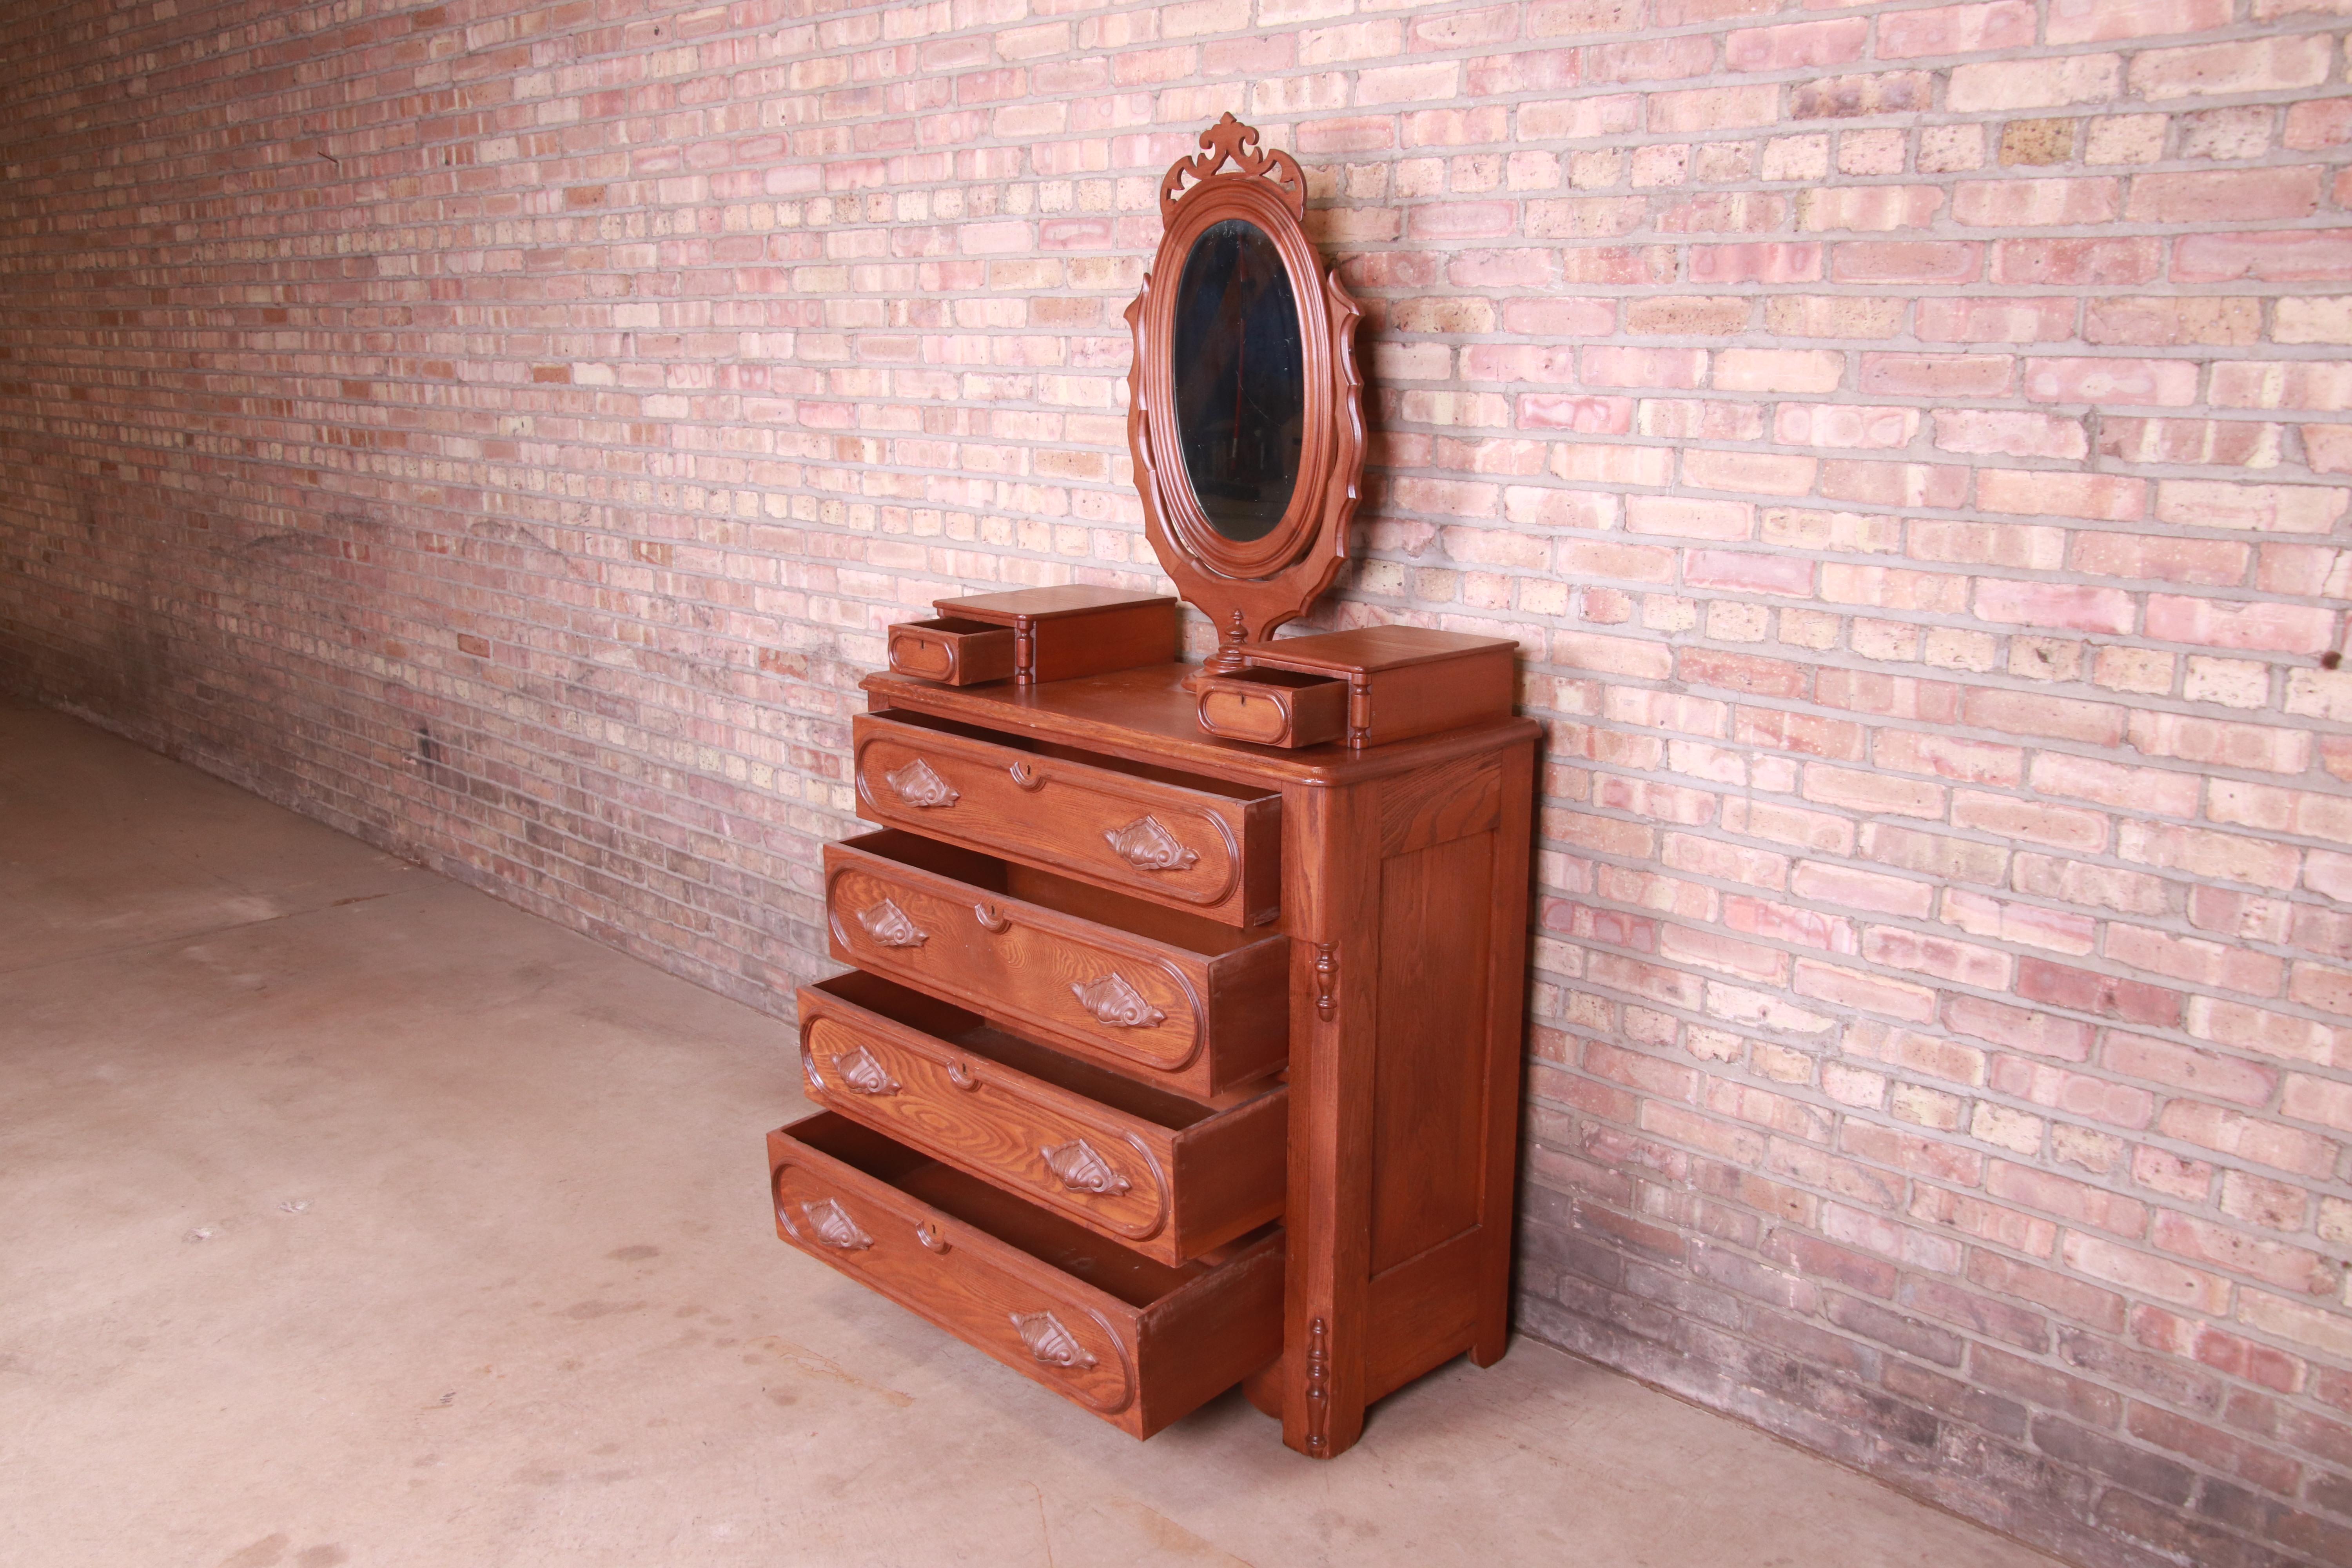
column 1274, row 707
column 1168, row 1176
column 1165, row 996
column 1138, row 1343
column 1196, row 843
column 950, row 651
column 1062, row 633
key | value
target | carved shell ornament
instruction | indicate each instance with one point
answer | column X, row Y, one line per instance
column 919, row 786
column 1049, row 1342
column 886, row 924
column 1148, row 847
column 1114, row 1001
column 834, row 1227
column 863, row 1072
column 1231, row 142
column 1082, row 1169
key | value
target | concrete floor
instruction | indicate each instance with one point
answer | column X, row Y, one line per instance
column 351, row 1216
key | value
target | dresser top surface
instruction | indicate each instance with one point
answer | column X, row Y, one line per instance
column 1146, row 714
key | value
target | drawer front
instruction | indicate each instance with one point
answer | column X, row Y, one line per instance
column 1169, row 1191
column 981, row 1118
column 1271, row 709
column 1119, row 999
column 954, row 653
column 1209, row 853
column 991, row 1295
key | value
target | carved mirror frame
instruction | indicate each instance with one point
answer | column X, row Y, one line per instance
column 1247, row 588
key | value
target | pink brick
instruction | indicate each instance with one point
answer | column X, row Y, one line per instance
column 1906, row 261
column 2289, row 256
column 1604, row 366
column 2098, row 21
column 1955, row 30
column 1797, row 45
column 2071, row 606
column 1958, row 320
column 1760, row 262
column 2196, row 740
column 2037, row 203
column 2221, row 623
column 2236, row 196
column 2012, row 433
column 2270, row 508
column 1939, row 375
column 2111, row 381
column 2039, row 493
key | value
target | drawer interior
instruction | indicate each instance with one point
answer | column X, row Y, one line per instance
column 953, row 625
column 1282, row 680
column 1077, row 1251
column 972, row 1035
column 1031, row 886
column 1023, row 743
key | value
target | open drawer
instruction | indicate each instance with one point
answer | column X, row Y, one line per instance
column 1172, row 998
column 1138, row 1343
column 1199, row 844
column 1170, row 1177
column 952, row 650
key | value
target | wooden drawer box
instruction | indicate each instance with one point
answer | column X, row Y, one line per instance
column 1169, row 997
column 1274, row 707
column 951, row 651
column 1138, row 1344
column 1168, row 1176
column 1196, row 843
column 1035, row 635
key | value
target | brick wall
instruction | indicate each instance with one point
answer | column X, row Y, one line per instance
column 1910, row 441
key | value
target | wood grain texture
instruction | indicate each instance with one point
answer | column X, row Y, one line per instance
column 1184, row 1180
column 1202, row 1020
column 1428, row 1094
column 1273, row 708
column 1062, row 633
column 1136, row 1342
column 1402, row 681
column 954, row 652
column 1206, row 845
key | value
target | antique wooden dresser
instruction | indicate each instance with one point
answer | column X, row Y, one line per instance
column 1173, row 1059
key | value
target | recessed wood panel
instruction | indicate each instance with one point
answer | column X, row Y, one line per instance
column 1428, row 1084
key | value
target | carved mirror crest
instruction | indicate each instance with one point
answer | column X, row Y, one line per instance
column 1245, row 411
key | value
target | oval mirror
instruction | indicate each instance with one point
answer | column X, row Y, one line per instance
column 1240, row 379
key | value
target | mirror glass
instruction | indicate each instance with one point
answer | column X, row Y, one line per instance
column 1240, row 379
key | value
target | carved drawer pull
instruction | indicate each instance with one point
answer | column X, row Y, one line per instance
column 917, row 786
column 886, row 924
column 989, row 917
column 1027, row 776
column 1114, row 1001
column 961, row 1075
column 834, row 1227
column 928, row 1234
column 1082, row 1169
column 1049, row 1342
column 863, row 1072
column 1148, row 847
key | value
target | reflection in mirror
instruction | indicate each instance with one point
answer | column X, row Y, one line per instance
column 1240, row 379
